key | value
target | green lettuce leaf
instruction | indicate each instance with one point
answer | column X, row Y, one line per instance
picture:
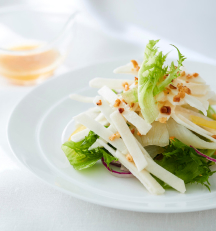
column 80, row 157
column 151, row 79
column 130, row 96
column 185, row 163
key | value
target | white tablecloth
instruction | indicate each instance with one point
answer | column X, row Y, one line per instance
column 26, row 203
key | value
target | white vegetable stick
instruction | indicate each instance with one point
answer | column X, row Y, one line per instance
column 126, row 69
column 101, row 131
column 108, row 94
column 80, row 135
column 182, row 120
column 111, row 83
column 142, row 126
column 102, row 120
column 162, row 173
column 81, row 98
column 193, row 102
column 144, row 176
column 104, row 107
column 106, row 146
column 186, row 136
column 129, row 140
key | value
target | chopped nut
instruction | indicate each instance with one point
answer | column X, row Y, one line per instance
column 132, row 131
column 121, row 110
column 117, row 103
column 195, row 75
column 112, row 137
column 166, row 110
column 186, row 90
column 129, row 158
column 126, row 86
column 135, row 64
column 124, row 101
column 181, row 95
column 182, row 73
column 139, row 134
column 176, row 98
column 99, row 103
column 163, row 120
column 188, row 76
column 136, row 81
column 187, row 81
column 117, row 135
column 179, row 85
column 214, row 136
column 131, row 105
column 172, row 87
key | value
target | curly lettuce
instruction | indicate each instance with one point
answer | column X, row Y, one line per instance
column 79, row 155
column 154, row 77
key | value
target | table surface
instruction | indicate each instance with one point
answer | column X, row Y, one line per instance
column 27, row 203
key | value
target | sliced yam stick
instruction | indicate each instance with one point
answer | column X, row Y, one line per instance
column 162, row 173
column 104, row 107
column 194, row 102
column 111, row 83
column 108, row 95
column 80, row 135
column 142, row 126
column 129, row 140
column 101, row 131
column 106, row 146
column 102, row 119
column 187, row 137
column 191, row 126
column 126, row 69
column 81, row 98
column 143, row 176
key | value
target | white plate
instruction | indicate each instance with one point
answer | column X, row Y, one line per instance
column 35, row 132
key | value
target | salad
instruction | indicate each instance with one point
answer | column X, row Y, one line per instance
column 159, row 127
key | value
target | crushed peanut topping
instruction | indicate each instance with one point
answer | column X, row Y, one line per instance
column 188, row 76
column 166, row 110
column 99, row 103
column 115, row 136
column 117, row 103
column 131, row 105
column 184, row 89
column 179, row 85
column 121, row 110
column 139, row 134
column 172, row 87
column 182, row 73
column 163, row 120
column 132, row 131
column 135, row 64
column 167, row 91
column 195, row 75
column 124, row 101
column 129, row 158
column 126, row 86
column 214, row 136
column 187, row 81
column 181, row 95
column 176, row 98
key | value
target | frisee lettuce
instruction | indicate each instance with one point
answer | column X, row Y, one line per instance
column 184, row 162
column 80, row 157
column 154, row 77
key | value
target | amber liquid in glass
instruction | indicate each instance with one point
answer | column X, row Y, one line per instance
column 30, row 68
